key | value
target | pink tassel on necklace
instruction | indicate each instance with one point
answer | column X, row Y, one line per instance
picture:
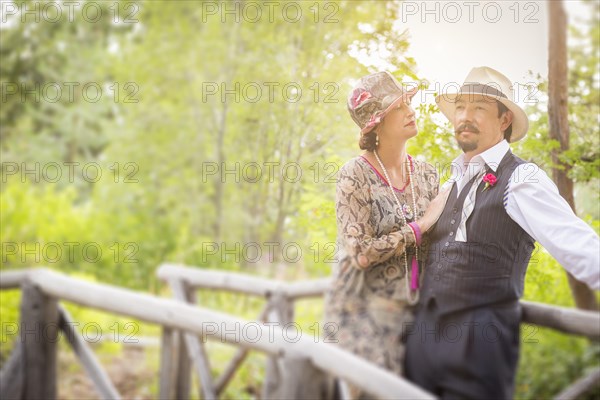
column 414, row 276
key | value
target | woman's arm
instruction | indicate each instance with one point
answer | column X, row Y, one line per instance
column 353, row 211
column 437, row 196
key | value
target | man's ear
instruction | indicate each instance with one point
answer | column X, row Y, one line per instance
column 505, row 120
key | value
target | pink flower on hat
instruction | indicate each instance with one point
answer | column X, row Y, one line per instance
column 359, row 96
column 375, row 119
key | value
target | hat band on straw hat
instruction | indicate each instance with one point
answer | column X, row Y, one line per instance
column 488, row 82
column 486, row 90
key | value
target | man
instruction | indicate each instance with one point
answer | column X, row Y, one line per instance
column 465, row 340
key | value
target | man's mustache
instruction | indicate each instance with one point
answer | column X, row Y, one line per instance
column 466, row 127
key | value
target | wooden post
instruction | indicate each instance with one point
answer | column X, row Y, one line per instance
column 175, row 364
column 281, row 313
column 184, row 368
column 195, row 347
column 39, row 333
column 301, row 380
column 168, row 364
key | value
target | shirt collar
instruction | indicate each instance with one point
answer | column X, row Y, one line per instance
column 494, row 155
column 491, row 156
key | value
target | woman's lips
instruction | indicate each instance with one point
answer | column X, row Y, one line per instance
column 411, row 123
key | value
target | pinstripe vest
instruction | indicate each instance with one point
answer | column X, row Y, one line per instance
column 490, row 267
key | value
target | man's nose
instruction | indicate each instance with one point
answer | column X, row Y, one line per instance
column 463, row 115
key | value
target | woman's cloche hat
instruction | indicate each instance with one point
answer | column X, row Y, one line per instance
column 373, row 97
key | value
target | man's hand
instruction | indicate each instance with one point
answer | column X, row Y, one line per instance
column 434, row 210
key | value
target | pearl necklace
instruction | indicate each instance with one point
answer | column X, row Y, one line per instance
column 411, row 301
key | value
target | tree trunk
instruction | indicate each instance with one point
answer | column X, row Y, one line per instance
column 221, row 122
column 559, row 127
column 220, row 179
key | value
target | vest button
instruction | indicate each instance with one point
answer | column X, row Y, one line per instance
column 447, row 244
column 455, row 210
column 453, row 221
column 451, row 234
column 437, row 277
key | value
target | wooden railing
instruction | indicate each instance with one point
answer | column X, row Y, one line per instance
column 282, row 295
column 283, row 376
column 294, row 370
column 31, row 371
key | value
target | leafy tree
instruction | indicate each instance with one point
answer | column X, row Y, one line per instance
column 57, row 94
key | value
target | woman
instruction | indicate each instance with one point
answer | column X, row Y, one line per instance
column 376, row 280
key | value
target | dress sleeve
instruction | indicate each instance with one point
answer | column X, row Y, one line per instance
column 353, row 212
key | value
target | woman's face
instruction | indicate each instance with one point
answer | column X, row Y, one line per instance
column 400, row 122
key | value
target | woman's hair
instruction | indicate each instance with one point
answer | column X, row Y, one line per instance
column 367, row 141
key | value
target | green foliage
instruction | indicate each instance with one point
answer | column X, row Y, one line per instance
column 159, row 198
column 10, row 301
column 550, row 360
column 49, row 113
column 584, row 107
column 43, row 226
column 435, row 142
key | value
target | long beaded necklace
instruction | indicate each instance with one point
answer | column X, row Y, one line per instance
column 411, row 301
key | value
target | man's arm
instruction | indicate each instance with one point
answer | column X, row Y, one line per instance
column 532, row 200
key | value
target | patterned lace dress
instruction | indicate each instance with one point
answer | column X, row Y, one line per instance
column 366, row 306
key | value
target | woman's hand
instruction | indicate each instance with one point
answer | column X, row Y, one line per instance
column 434, row 210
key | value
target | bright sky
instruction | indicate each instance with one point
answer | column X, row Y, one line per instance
column 485, row 33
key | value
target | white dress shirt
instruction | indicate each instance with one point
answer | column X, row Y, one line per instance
column 531, row 199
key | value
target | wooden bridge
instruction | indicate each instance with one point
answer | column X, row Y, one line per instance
column 295, row 369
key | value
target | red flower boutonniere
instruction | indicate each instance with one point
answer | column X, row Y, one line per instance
column 490, row 181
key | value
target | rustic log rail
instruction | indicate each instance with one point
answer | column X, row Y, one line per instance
column 567, row 320
column 283, row 294
column 279, row 309
column 177, row 316
column 183, row 323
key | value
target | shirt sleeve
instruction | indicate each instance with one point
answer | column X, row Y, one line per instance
column 532, row 200
column 353, row 214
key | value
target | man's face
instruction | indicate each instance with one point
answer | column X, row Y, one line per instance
column 477, row 126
